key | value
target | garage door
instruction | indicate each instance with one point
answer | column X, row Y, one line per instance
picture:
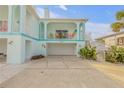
column 61, row 49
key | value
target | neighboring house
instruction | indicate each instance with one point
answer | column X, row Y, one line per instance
column 24, row 34
column 113, row 39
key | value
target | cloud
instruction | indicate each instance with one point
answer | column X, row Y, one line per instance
column 40, row 12
column 55, row 15
column 108, row 12
column 63, row 7
column 98, row 29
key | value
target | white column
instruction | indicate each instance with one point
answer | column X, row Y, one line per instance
column 83, row 31
column 77, row 50
column 45, row 37
column 10, row 16
column 22, row 18
column 79, row 44
column 78, row 30
column 45, row 30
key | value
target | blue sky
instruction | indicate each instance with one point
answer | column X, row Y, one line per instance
column 100, row 17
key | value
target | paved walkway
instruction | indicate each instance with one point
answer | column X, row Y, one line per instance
column 115, row 71
column 7, row 71
column 56, row 71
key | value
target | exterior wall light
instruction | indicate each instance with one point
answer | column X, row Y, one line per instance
column 10, row 42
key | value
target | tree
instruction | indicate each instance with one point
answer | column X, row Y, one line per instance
column 118, row 25
column 120, row 15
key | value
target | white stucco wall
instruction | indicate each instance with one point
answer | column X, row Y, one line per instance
column 36, row 48
column 28, row 46
column 32, row 47
column 15, row 50
column 32, row 25
column 44, row 48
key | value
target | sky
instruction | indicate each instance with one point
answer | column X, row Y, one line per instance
column 100, row 17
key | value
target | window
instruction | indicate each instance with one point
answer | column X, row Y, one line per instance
column 3, row 26
column 61, row 34
column 120, row 41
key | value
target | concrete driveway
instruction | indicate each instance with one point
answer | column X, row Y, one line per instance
column 60, row 72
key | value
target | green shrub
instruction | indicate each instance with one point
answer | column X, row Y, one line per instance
column 115, row 54
column 88, row 52
column 120, row 57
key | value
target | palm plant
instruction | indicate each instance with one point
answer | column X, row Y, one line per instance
column 118, row 25
column 120, row 15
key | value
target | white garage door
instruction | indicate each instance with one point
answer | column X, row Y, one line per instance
column 61, row 49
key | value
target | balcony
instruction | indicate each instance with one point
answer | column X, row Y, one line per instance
column 62, row 35
column 62, row 30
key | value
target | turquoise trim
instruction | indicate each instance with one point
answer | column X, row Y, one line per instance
column 61, row 40
column 9, row 33
column 30, row 36
column 37, row 39
column 18, row 33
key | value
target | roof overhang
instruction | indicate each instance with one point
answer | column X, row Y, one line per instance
column 115, row 34
column 63, row 20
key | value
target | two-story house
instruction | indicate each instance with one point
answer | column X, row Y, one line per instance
column 24, row 34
